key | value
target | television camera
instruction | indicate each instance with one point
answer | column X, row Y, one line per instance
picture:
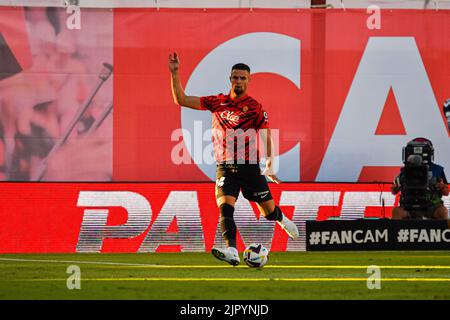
column 416, row 179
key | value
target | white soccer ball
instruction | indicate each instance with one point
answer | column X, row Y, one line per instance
column 256, row 255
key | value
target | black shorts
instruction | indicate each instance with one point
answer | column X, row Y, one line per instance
column 232, row 178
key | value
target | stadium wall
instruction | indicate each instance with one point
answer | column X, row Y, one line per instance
column 167, row 217
column 175, row 217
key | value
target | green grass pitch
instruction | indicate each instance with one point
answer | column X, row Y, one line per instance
column 191, row 276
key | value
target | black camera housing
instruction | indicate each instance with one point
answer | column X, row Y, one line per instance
column 415, row 177
column 415, row 184
column 424, row 150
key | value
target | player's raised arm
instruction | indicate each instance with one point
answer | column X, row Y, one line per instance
column 179, row 97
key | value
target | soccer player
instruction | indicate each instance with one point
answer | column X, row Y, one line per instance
column 236, row 116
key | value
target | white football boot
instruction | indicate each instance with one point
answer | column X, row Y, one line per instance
column 229, row 255
column 289, row 226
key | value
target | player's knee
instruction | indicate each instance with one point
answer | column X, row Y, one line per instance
column 266, row 207
column 225, row 199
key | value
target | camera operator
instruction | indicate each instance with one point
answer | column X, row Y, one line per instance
column 421, row 182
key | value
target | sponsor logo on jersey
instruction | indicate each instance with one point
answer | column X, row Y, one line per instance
column 230, row 116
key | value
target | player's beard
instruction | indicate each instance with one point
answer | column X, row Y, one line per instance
column 238, row 90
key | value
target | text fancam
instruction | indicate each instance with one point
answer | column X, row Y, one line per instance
column 348, row 237
column 423, row 235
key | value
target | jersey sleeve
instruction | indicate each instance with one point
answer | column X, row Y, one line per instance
column 262, row 120
column 209, row 103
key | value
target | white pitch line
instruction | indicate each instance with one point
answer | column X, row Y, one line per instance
column 85, row 262
column 143, row 265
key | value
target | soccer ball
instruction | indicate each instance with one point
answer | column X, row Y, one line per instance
column 256, row 255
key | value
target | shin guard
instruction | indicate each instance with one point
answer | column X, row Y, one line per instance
column 227, row 225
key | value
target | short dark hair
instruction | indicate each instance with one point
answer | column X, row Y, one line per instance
column 241, row 66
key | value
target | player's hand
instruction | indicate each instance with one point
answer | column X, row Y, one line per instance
column 269, row 173
column 174, row 62
column 273, row 178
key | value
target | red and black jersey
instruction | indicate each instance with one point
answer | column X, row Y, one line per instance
column 235, row 125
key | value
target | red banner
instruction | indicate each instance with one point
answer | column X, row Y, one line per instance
column 139, row 217
column 344, row 95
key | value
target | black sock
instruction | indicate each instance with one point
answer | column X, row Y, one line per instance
column 227, row 225
column 276, row 215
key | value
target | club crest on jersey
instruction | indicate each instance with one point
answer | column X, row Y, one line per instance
column 244, row 109
column 230, row 116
